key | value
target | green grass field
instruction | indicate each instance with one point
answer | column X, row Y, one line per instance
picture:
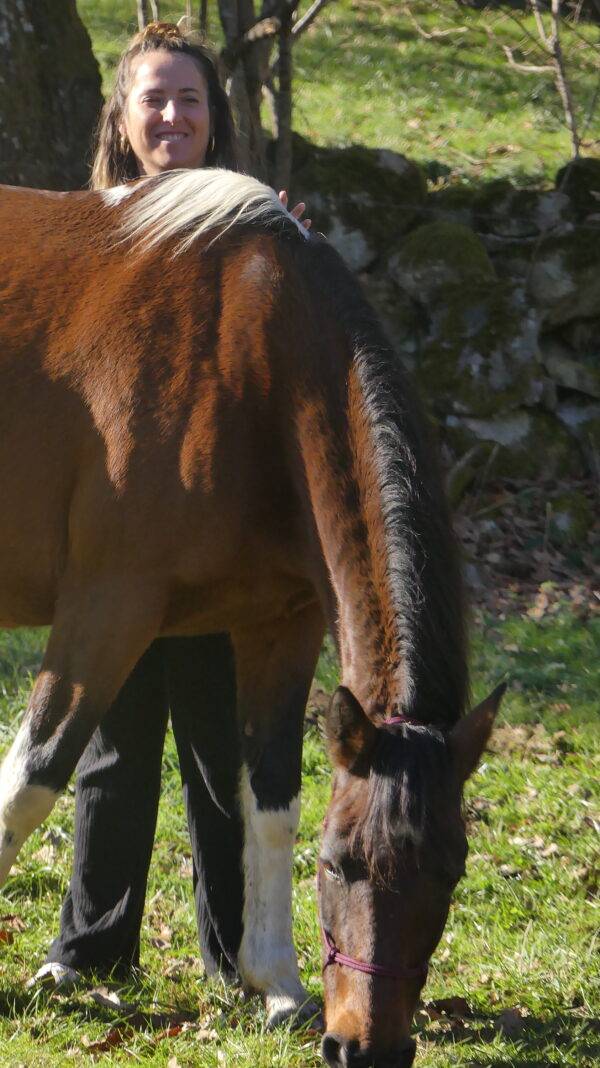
column 519, row 957
column 364, row 74
column 520, row 946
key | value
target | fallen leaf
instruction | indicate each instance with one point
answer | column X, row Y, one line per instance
column 170, row 1032
column 206, row 1034
column 163, row 939
column 15, row 923
column 455, row 1006
column 115, row 1037
column 551, row 850
column 110, row 999
column 186, row 868
column 509, row 871
column 426, row 1014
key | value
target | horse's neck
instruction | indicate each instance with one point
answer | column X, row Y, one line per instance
column 346, row 476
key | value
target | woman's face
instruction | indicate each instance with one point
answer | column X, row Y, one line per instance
column 167, row 113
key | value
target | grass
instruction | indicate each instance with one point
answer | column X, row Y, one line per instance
column 364, row 74
column 520, row 941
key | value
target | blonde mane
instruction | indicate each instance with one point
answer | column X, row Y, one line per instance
column 187, row 204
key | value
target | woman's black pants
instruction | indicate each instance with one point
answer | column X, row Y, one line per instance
column 117, row 792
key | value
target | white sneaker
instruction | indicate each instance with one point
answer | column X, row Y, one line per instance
column 58, row 977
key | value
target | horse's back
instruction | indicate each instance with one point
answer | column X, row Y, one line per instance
column 137, row 401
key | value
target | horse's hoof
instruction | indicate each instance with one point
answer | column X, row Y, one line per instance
column 283, row 1009
column 55, row 977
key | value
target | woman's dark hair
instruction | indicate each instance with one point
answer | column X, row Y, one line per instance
column 114, row 161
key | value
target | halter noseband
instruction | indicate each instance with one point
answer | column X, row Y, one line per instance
column 334, row 956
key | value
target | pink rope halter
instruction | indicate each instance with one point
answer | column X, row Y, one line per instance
column 334, row 956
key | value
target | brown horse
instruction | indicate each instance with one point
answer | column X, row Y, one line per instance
column 202, row 435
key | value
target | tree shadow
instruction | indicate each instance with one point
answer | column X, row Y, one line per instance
column 531, row 1038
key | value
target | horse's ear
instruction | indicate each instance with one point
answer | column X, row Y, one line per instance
column 469, row 737
column 350, row 733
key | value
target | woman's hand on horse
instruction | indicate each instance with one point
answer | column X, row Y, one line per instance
column 297, row 211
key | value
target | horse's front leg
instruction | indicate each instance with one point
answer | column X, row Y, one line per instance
column 274, row 666
column 99, row 633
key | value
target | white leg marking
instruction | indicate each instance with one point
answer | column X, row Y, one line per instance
column 23, row 806
column 267, row 958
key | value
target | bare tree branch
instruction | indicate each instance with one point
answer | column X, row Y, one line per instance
column 142, row 12
column 560, row 75
column 524, row 30
column 203, row 18
column 283, row 106
column 539, row 21
column 260, row 29
column 431, row 35
column 525, row 68
column 252, row 78
column 550, row 44
column 309, row 17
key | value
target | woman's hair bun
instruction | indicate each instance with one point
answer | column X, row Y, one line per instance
column 168, row 31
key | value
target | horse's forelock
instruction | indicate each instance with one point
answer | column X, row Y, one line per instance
column 408, row 771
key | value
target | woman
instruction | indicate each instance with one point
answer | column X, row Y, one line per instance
column 167, row 110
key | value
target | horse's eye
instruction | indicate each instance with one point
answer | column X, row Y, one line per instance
column 331, row 872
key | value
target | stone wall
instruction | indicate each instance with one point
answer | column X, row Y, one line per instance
column 491, row 296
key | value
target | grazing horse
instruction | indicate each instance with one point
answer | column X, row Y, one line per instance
column 203, row 429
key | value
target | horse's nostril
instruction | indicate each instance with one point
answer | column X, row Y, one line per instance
column 331, row 1048
column 340, row 1053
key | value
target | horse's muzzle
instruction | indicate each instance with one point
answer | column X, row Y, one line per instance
column 340, row 1053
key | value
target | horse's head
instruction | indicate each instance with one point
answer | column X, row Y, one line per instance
column 393, row 850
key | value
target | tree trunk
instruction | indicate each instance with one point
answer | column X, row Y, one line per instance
column 49, row 94
column 246, row 81
column 283, row 107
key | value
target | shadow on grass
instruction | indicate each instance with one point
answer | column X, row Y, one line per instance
column 535, row 1037
column 89, row 1006
column 34, row 885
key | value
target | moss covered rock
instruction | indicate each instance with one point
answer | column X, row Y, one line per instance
column 438, row 255
column 564, row 281
column 400, row 316
column 504, row 211
column 580, row 181
column 453, row 203
column 571, row 370
column 363, row 199
column 480, row 355
column 521, row 444
column 571, row 517
column 582, row 420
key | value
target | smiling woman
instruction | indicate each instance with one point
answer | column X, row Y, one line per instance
column 168, row 109
column 167, row 119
